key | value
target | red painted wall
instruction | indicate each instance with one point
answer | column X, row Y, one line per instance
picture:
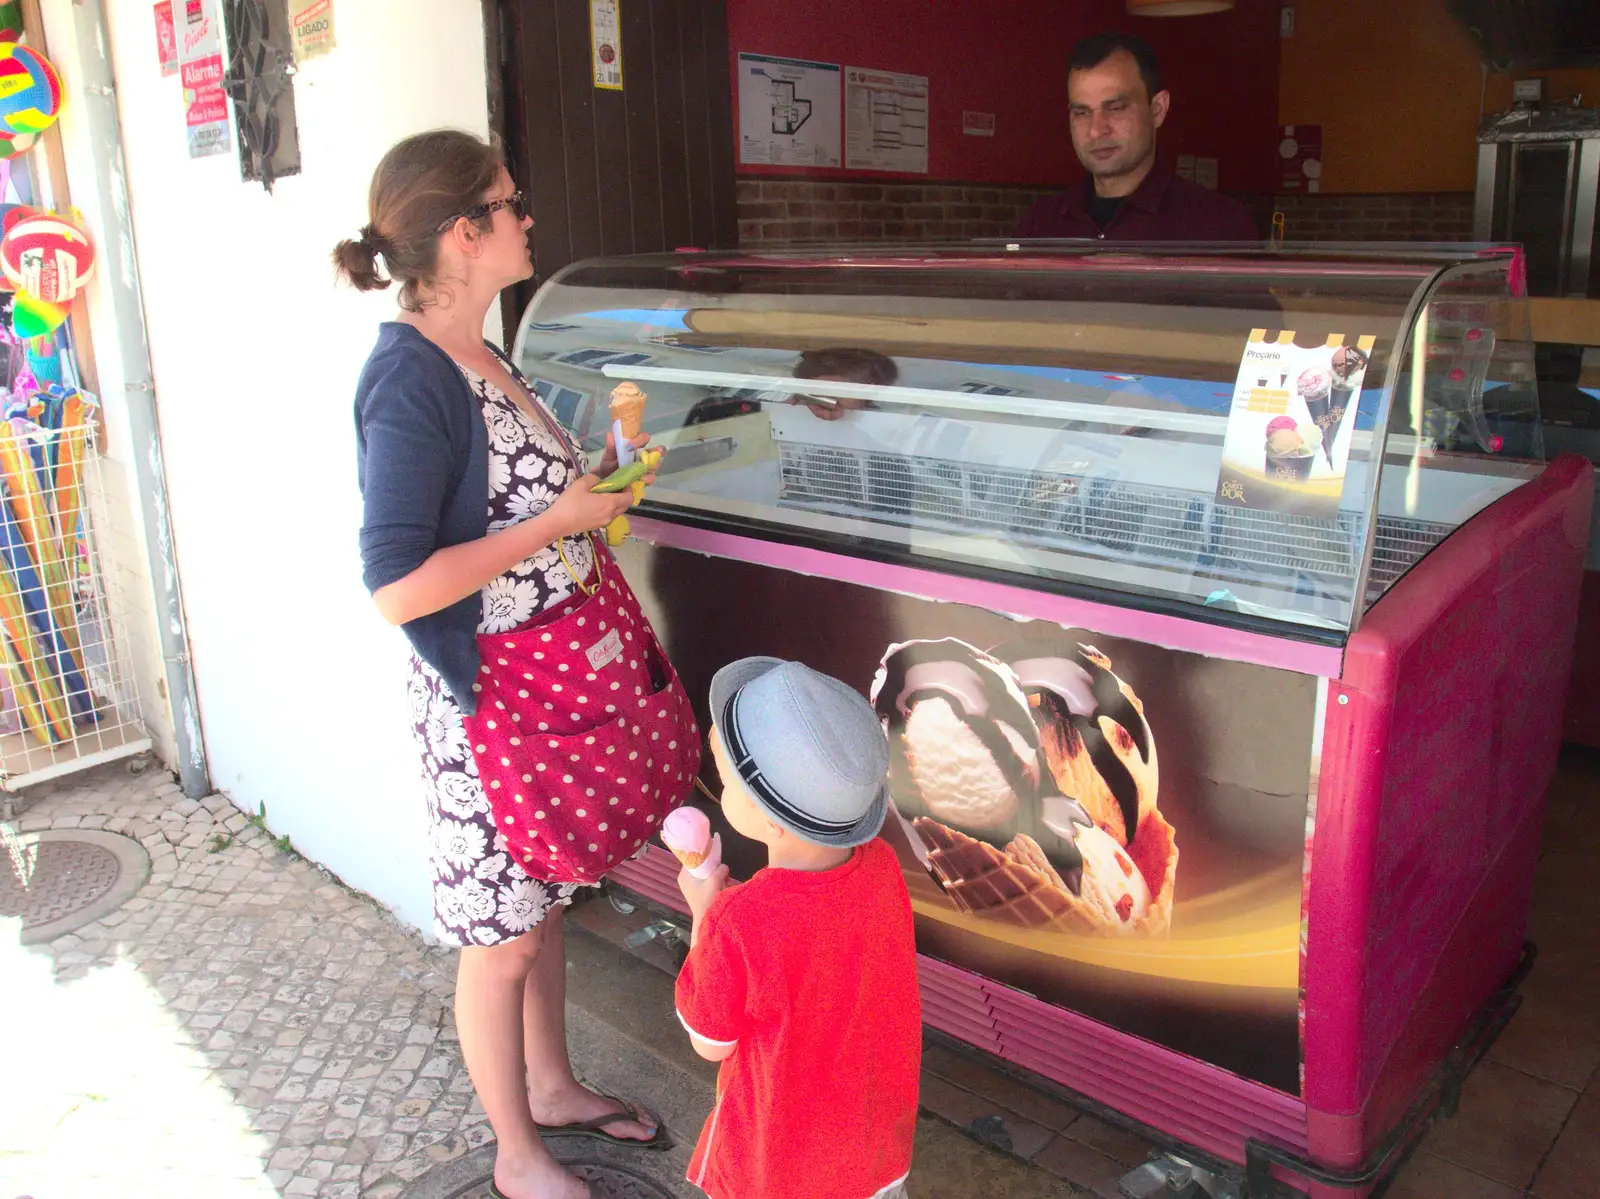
column 1008, row 57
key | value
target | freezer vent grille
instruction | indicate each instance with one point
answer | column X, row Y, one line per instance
column 1156, row 524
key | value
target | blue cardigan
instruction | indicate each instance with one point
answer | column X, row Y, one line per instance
column 422, row 454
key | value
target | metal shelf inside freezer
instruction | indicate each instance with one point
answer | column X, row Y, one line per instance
column 1078, row 491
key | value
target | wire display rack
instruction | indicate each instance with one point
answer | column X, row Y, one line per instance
column 68, row 700
column 1161, row 525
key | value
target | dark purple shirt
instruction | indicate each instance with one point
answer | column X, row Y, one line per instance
column 1162, row 208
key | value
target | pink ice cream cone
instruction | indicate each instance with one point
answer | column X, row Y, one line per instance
column 687, row 833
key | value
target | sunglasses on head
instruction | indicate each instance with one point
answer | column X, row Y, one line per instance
column 515, row 202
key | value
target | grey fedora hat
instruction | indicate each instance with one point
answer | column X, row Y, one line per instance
column 810, row 750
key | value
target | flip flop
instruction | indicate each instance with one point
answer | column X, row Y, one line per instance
column 596, row 1128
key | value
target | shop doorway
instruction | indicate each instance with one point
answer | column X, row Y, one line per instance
column 647, row 168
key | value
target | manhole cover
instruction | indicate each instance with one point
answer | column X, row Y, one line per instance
column 605, row 1180
column 611, row 1173
column 57, row 881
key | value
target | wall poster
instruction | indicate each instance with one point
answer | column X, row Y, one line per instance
column 312, row 27
column 1113, row 827
column 605, row 44
column 205, row 104
column 885, row 121
column 977, row 124
column 1287, row 446
column 788, row 112
column 1300, row 152
column 166, row 38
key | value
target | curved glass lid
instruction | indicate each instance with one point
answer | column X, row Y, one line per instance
column 1190, row 428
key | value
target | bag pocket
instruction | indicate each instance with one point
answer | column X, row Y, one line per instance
column 571, row 805
column 571, row 675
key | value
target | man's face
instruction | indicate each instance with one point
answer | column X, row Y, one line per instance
column 1114, row 119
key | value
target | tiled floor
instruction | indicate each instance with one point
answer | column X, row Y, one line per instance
column 1530, row 1116
column 246, row 1027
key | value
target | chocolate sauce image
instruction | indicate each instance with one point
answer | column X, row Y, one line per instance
column 1096, row 740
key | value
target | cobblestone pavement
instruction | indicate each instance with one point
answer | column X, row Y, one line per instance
column 247, row 1027
column 244, row 1026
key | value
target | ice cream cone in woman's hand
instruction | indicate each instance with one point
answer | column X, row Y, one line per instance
column 687, row 833
column 627, row 409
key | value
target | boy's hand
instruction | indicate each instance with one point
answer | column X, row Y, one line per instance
column 700, row 892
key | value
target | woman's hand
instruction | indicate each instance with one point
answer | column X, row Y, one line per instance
column 608, row 460
column 580, row 509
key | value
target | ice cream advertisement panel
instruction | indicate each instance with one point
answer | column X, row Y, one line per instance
column 1114, row 827
column 1290, row 425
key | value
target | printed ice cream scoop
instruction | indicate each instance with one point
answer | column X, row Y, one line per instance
column 1291, row 449
column 964, row 749
column 1315, row 384
column 1348, row 364
column 969, row 767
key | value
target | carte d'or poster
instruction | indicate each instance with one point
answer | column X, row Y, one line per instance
column 1114, row 827
column 1287, row 447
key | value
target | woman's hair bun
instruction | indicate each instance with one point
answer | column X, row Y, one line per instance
column 357, row 259
column 420, row 183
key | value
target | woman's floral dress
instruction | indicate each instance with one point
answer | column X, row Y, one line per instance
column 480, row 896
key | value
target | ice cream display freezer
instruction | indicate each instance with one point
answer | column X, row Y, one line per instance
column 1217, row 604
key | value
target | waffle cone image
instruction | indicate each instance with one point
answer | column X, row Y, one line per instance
column 1096, row 741
column 1021, row 886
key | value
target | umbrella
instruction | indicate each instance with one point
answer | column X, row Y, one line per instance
column 30, row 503
column 70, row 443
column 34, row 683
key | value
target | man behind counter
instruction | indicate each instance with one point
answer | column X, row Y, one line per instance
column 1117, row 102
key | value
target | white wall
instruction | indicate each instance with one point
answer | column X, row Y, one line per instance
column 256, row 354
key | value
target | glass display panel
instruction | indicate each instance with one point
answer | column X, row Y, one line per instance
column 1166, row 424
column 1464, row 430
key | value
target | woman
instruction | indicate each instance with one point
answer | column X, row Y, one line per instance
column 476, row 516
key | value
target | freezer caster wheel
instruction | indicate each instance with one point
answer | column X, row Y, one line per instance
column 1172, row 1178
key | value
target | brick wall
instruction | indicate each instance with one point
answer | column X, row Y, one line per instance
column 782, row 212
column 779, row 212
column 1425, row 216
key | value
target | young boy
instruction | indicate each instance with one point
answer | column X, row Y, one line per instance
column 803, row 981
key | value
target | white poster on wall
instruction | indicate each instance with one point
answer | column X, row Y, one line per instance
column 788, row 112
column 605, row 44
column 886, row 121
column 205, row 103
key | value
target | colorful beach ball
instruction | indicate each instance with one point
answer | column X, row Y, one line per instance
column 32, row 317
column 45, row 255
column 30, row 91
column 10, row 147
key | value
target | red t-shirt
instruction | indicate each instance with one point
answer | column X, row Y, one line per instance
column 813, row 976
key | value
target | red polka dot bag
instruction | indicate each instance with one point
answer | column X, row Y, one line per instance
column 584, row 736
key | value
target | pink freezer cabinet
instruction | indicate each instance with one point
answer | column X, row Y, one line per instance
column 1218, row 604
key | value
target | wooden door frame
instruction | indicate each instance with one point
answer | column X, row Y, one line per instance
column 514, row 299
column 701, row 200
